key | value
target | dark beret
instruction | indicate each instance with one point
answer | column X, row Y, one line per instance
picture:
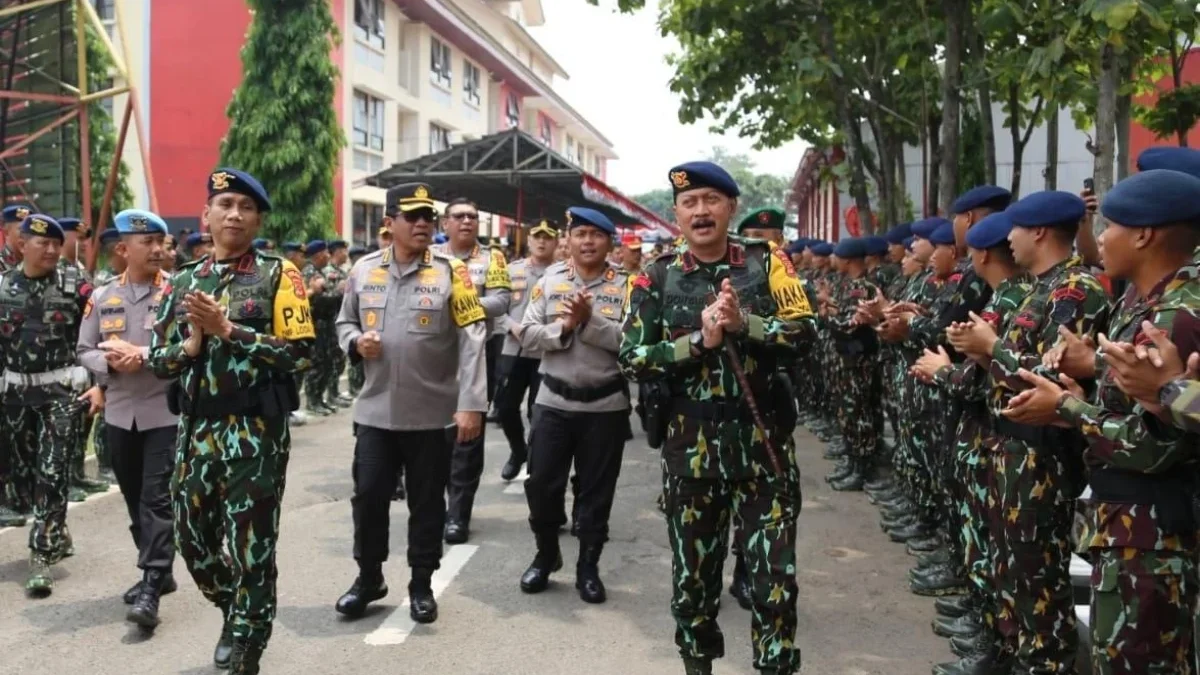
column 314, row 247
column 991, row 231
column 39, row 225
column 1186, row 160
column 238, row 182
column 899, row 233
column 943, row 235
column 822, row 249
column 990, row 196
column 695, row 175
column 876, row 245
column 581, row 215
column 1154, row 198
column 336, row 244
column 769, row 218
column 924, row 228
column 1049, row 208
column 850, row 249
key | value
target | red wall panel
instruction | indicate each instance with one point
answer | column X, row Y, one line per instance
column 1139, row 137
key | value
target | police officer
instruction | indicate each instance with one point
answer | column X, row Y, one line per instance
column 335, row 285
column 114, row 343
column 700, row 318
column 231, row 330
column 519, row 365
column 489, row 274
column 41, row 304
column 16, row 476
column 411, row 315
column 582, row 414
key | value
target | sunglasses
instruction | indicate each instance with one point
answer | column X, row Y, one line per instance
column 428, row 215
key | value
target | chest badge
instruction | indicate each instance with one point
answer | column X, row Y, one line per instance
column 424, row 320
column 372, row 319
column 425, row 302
column 250, row 310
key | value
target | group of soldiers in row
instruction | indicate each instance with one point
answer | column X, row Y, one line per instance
column 1011, row 377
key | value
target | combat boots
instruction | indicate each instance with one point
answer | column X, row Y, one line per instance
column 512, row 467
column 964, row 626
column 939, row 556
column 245, row 657
column 692, row 666
column 587, row 574
column 422, row 606
column 853, row 482
column 168, row 587
column 144, row 611
column 939, row 581
column 368, row 587
column 223, row 653
column 917, row 530
column 953, row 605
column 548, row 560
column 843, row 468
column 925, row 544
column 740, row 587
column 40, row 581
column 10, row 518
column 978, row 656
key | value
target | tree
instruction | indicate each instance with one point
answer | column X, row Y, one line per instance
column 661, row 202
column 283, row 125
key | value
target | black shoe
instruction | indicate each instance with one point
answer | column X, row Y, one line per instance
column 587, row 575
column 353, row 602
column 850, row 483
column 245, row 657
column 130, row 596
column 881, row 484
column 511, row 468
column 917, row 530
column 740, row 587
column 697, row 666
column 966, row 625
column 939, row 556
column 331, row 409
column 844, row 468
column 456, row 532
column 942, row 581
column 932, row 571
column 888, row 494
column 897, row 521
column 537, row 577
column 964, row 646
column 422, row 606
column 923, row 544
column 975, row 663
column 953, row 605
column 168, row 587
column 223, row 654
column 834, row 452
column 144, row 611
column 896, row 507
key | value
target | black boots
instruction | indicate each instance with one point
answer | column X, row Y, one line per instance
column 168, row 587
column 953, row 606
column 587, row 574
column 512, row 467
column 223, row 654
column 367, row 588
column 548, row 560
column 422, row 606
column 245, row 657
column 144, row 611
column 697, row 666
column 457, row 532
column 979, row 656
column 740, row 587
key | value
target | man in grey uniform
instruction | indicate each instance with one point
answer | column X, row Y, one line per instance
column 412, row 317
column 114, row 343
column 489, row 275
column 574, row 317
column 519, row 366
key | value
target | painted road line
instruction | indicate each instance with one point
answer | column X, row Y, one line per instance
column 396, row 628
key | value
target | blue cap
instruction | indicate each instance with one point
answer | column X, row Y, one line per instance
column 16, row 213
column 1186, row 160
column 822, row 249
column 292, row 246
column 238, row 182
column 137, row 221
column 581, row 215
column 314, row 247
column 695, row 175
column 440, row 238
column 991, row 231
column 908, row 242
column 260, row 244
column 1154, row 198
column 924, row 228
column 70, row 224
column 876, row 245
column 196, row 238
column 850, row 249
column 943, row 235
column 899, row 233
column 39, row 225
column 109, row 235
column 336, row 244
column 1049, row 208
column 990, row 196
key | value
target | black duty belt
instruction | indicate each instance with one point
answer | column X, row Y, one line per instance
column 585, row 394
column 1170, row 493
column 716, row 411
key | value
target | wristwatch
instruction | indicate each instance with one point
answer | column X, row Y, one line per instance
column 696, row 343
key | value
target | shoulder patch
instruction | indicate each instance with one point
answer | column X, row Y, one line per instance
column 87, row 309
column 297, row 281
column 786, row 260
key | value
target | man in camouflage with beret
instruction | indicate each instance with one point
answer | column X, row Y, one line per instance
column 335, row 285
column 718, row 321
column 16, row 474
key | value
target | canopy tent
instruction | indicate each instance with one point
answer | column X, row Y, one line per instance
column 514, row 175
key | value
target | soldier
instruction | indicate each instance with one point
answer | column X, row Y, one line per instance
column 114, row 264
column 10, row 255
column 1035, row 473
column 718, row 320
column 293, row 252
column 765, row 224
column 16, row 474
column 75, row 244
column 518, row 364
column 174, row 256
column 335, row 284
column 42, row 384
column 198, row 245
column 231, row 331
column 574, row 319
column 114, row 343
column 325, row 302
column 489, row 274
column 412, row 316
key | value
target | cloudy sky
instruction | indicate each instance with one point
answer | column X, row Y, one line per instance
column 618, row 80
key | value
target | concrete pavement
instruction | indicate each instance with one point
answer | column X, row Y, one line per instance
column 856, row 616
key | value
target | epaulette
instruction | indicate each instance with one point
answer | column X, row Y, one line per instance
column 556, row 267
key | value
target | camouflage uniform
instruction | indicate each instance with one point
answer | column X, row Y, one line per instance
column 335, row 279
column 893, row 287
column 1144, row 579
column 855, row 351
column 16, row 468
column 80, row 485
column 716, row 463
column 920, row 289
column 325, row 306
column 234, row 442
column 1032, row 494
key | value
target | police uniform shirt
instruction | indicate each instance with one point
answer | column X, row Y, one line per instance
column 124, row 310
column 524, row 275
column 489, row 274
column 588, row 356
column 431, row 325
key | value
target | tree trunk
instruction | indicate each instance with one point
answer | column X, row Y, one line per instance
column 901, row 181
column 1177, row 80
column 955, row 13
column 935, row 164
column 858, row 183
column 1014, row 132
column 985, row 119
column 1124, row 112
column 1051, row 173
column 1103, row 148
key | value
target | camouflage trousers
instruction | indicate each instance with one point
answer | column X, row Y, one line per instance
column 17, row 467
column 1030, row 520
column 100, row 442
column 356, row 377
column 889, row 391
column 858, row 405
column 902, row 458
column 316, row 381
column 764, row 511
column 1141, row 614
column 971, row 476
column 46, row 434
column 79, row 445
column 924, row 437
column 337, row 360
column 227, row 517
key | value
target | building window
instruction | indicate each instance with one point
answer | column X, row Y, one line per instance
column 595, row 165
column 544, row 131
column 512, row 111
column 439, row 64
column 571, row 150
column 368, row 121
column 471, row 83
column 365, row 217
column 104, row 9
column 368, row 22
column 439, row 138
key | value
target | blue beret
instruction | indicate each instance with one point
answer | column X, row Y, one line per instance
column 924, row 228
column 1049, row 208
column 1154, row 198
column 822, row 249
column 1186, row 160
column 581, row 215
column 136, row 221
column 849, row 249
column 876, row 245
column 797, row 246
column 198, row 238
column 336, row 244
column 238, row 182
column 695, row 175
column 943, row 235
column 109, row 235
column 70, row 224
column 39, row 225
column 314, row 247
column 292, row 246
column 991, row 231
column 899, row 233
column 357, row 250
column 16, row 213
column 990, row 196
column 440, row 238
column 259, row 244
column 908, row 242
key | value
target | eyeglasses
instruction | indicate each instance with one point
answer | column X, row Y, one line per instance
column 463, row 216
column 428, row 215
